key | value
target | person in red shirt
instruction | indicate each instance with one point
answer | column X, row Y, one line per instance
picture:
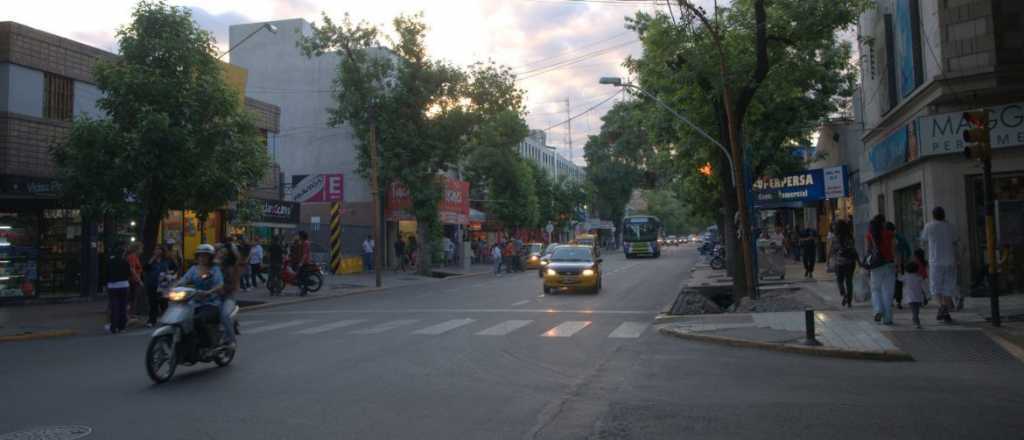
column 883, row 277
column 136, row 277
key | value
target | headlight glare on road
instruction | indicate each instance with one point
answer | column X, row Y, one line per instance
column 552, row 272
column 588, row 272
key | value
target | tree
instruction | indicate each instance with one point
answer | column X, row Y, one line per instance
column 772, row 69
column 428, row 112
column 178, row 135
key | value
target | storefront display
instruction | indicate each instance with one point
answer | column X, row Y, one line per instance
column 39, row 252
column 909, row 212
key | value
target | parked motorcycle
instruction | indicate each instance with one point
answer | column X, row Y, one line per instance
column 717, row 261
column 178, row 340
column 309, row 279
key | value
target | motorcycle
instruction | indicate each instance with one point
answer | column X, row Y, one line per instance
column 717, row 261
column 309, row 279
column 177, row 340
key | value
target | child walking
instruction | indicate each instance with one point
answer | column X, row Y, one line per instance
column 913, row 290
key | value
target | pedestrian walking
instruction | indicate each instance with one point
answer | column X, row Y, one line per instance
column 413, row 248
column 244, row 270
column 913, row 289
column 155, row 269
column 902, row 257
column 517, row 249
column 880, row 245
column 368, row 253
column 449, row 250
column 496, row 255
column 400, row 254
column 506, row 256
column 119, row 274
column 941, row 241
column 843, row 258
column 808, row 248
column 256, row 263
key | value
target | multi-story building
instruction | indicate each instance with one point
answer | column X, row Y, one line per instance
column 46, row 248
column 923, row 63
column 535, row 148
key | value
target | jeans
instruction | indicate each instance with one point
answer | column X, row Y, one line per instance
column 497, row 266
column 915, row 307
column 368, row 261
column 883, row 282
column 255, row 274
column 844, row 277
column 118, row 309
column 226, row 323
column 808, row 259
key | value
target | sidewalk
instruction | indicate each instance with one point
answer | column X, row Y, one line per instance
column 852, row 332
column 26, row 322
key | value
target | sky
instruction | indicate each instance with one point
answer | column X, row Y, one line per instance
column 559, row 48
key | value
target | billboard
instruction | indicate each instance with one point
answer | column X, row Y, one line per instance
column 317, row 188
column 453, row 208
column 805, row 186
column 943, row 133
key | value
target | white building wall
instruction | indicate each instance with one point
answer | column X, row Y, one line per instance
column 281, row 75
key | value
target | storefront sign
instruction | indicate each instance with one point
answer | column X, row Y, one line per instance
column 942, row 134
column 317, row 188
column 890, row 153
column 806, row 186
column 279, row 211
column 29, row 185
column 452, row 209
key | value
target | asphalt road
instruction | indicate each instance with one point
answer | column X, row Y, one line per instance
column 491, row 357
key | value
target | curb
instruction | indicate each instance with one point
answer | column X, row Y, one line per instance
column 892, row 356
column 38, row 335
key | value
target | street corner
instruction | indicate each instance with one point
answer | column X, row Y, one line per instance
column 778, row 340
column 37, row 335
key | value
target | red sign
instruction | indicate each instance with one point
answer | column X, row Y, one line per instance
column 318, row 188
column 452, row 209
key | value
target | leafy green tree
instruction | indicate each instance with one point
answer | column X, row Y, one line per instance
column 617, row 160
column 179, row 135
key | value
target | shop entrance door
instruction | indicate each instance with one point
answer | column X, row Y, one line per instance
column 909, row 213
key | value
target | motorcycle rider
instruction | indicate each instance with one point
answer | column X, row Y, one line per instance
column 209, row 280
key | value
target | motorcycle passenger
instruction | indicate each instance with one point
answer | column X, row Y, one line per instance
column 208, row 279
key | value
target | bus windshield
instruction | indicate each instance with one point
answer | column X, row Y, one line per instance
column 640, row 229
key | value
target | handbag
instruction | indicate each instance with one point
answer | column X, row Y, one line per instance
column 873, row 258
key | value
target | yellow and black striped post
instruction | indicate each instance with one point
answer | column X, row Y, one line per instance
column 336, row 237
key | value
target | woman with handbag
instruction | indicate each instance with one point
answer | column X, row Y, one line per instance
column 880, row 262
column 843, row 259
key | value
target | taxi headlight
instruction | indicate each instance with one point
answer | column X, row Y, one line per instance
column 176, row 295
column 543, row 262
column 533, row 258
column 588, row 272
column 552, row 272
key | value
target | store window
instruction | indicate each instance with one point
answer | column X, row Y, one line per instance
column 909, row 213
column 40, row 252
column 1008, row 193
column 19, row 254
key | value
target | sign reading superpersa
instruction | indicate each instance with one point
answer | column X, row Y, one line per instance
column 805, row 186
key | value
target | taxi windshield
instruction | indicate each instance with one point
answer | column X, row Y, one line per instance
column 534, row 248
column 572, row 254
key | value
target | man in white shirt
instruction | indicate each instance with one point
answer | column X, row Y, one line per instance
column 940, row 238
column 449, row 250
column 368, row 253
column 256, row 262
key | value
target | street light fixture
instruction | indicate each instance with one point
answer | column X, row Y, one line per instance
column 269, row 27
column 617, row 82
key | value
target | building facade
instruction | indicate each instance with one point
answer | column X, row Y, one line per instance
column 46, row 248
column 534, row 148
column 923, row 64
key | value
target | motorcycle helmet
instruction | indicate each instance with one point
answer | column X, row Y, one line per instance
column 204, row 249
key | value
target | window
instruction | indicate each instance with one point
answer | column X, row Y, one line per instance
column 58, row 97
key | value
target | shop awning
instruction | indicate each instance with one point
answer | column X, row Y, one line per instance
column 274, row 225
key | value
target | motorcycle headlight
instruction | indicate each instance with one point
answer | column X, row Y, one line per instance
column 176, row 295
column 588, row 272
column 552, row 272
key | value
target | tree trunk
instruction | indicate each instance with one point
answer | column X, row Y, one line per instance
column 424, row 255
column 733, row 253
column 150, row 234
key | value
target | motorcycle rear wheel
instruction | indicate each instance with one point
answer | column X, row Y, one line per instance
column 314, row 282
column 160, row 352
column 224, row 358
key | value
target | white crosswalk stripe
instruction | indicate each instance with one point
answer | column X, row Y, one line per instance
column 629, row 329
column 270, row 327
column 566, row 329
column 330, row 326
column 443, row 327
column 505, row 328
column 381, row 328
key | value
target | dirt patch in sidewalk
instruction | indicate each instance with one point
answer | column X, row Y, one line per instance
column 788, row 300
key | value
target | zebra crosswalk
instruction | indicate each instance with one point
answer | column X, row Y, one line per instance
column 474, row 326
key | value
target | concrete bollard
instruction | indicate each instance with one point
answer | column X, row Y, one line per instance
column 809, row 328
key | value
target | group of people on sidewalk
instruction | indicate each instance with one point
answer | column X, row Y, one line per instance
column 897, row 274
column 508, row 254
column 237, row 263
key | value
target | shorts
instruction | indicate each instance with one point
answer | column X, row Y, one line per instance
column 942, row 281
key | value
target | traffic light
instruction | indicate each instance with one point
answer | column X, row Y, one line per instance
column 976, row 136
column 705, row 169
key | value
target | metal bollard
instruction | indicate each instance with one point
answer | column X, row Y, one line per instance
column 809, row 328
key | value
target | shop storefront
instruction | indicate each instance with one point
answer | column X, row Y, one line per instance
column 453, row 212
column 276, row 217
column 811, row 199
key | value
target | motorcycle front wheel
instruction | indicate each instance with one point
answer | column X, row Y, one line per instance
column 161, row 360
column 314, row 282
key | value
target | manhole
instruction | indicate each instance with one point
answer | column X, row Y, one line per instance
column 948, row 346
column 70, row 432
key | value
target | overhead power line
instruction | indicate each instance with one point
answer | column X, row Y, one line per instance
column 542, row 70
column 603, row 102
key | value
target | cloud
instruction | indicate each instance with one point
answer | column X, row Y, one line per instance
column 217, row 24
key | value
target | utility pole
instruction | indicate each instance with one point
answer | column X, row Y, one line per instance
column 976, row 136
column 568, row 117
column 375, row 189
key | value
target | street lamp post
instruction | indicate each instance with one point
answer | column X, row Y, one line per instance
column 269, row 27
column 745, row 243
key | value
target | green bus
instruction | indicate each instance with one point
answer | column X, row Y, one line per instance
column 640, row 235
